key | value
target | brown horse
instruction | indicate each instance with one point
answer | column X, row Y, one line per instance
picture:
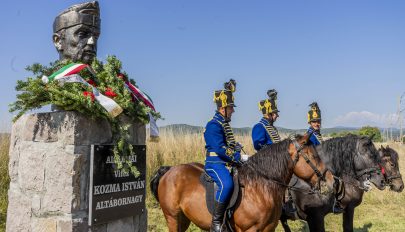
column 264, row 178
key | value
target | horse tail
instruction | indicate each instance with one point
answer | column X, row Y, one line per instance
column 154, row 183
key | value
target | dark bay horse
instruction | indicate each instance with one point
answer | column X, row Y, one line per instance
column 392, row 175
column 352, row 158
column 264, row 178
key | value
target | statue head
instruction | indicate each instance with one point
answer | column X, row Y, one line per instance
column 76, row 31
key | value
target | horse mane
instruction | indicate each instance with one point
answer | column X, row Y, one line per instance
column 340, row 152
column 272, row 162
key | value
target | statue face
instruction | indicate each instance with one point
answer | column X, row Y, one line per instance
column 78, row 43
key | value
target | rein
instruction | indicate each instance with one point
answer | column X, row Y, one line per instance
column 291, row 187
column 352, row 183
column 367, row 171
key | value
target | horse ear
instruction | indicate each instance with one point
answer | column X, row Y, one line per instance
column 382, row 148
column 388, row 146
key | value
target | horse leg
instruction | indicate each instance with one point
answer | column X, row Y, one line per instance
column 284, row 223
column 316, row 221
column 348, row 219
column 177, row 223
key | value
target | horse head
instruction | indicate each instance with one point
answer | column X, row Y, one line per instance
column 366, row 162
column 390, row 167
column 308, row 165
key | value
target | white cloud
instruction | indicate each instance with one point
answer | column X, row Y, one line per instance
column 364, row 118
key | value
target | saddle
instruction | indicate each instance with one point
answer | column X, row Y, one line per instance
column 210, row 189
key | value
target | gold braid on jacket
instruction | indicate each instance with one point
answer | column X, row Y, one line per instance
column 273, row 133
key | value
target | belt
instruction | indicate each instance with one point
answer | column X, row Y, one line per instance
column 211, row 154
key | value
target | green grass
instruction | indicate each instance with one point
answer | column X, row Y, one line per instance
column 4, row 179
column 380, row 210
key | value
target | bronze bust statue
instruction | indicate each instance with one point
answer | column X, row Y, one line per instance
column 76, row 31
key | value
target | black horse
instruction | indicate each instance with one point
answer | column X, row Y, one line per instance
column 354, row 160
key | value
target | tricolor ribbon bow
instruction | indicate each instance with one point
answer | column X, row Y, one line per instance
column 70, row 74
column 143, row 97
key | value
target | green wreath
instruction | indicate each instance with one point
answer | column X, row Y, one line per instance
column 108, row 81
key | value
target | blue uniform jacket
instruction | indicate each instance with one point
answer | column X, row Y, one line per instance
column 313, row 139
column 215, row 141
column 260, row 136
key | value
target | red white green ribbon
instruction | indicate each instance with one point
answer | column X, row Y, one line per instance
column 64, row 71
column 140, row 95
column 69, row 74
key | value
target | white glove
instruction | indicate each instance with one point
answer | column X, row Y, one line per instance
column 367, row 185
column 244, row 157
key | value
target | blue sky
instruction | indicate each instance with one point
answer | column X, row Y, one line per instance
column 347, row 55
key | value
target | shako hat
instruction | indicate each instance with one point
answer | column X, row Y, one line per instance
column 314, row 114
column 269, row 105
column 87, row 13
column 224, row 98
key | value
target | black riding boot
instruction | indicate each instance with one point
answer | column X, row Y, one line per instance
column 289, row 209
column 337, row 208
column 288, row 206
column 218, row 217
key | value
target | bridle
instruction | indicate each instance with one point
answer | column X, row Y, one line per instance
column 389, row 179
column 358, row 175
column 321, row 176
column 368, row 171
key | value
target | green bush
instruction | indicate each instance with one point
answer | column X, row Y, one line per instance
column 341, row 133
column 371, row 132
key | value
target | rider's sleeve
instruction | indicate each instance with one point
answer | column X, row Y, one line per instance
column 314, row 140
column 259, row 137
column 214, row 138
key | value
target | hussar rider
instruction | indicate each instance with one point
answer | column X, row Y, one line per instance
column 222, row 151
column 315, row 120
column 264, row 133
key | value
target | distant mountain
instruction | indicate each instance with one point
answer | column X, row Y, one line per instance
column 248, row 130
column 339, row 129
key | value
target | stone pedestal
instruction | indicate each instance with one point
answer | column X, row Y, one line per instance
column 49, row 171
